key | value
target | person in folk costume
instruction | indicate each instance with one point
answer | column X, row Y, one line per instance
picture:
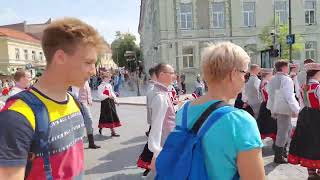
column 239, row 101
column 85, row 99
column 173, row 93
column 199, row 86
column 301, row 76
column 251, row 90
column 145, row 157
column 305, row 144
column 150, row 86
column 108, row 113
column 302, row 79
column 241, row 98
column 183, row 84
column 163, row 112
column 283, row 106
column 294, row 68
column 267, row 125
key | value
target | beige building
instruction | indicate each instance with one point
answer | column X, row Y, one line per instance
column 20, row 50
column 106, row 59
column 176, row 31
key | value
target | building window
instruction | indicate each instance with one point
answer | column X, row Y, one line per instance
column 33, row 54
column 310, row 12
column 17, row 50
column 40, row 56
column 218, row 14
column 249, row 17
column 186, row 16
column 187, row 54
column 26, row 54
column 281, row 12
column 311, row 49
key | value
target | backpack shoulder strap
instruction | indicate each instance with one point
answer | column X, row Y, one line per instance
column 185, row 115
column 215, row 117
column 204, row 116
column 42, row 122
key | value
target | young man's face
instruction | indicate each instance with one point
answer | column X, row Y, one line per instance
column 80, row 65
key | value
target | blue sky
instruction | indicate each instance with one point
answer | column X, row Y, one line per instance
column 107, row 16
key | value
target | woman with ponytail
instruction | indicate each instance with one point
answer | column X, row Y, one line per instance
column 305, row 144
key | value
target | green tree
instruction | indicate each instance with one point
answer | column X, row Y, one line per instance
column 281, row 38
column 124, row 42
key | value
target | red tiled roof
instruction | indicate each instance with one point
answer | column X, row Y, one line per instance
column 17, row 35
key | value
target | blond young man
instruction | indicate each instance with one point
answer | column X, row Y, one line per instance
column 71, row 48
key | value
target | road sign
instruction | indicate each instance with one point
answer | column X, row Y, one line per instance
column 290, row 39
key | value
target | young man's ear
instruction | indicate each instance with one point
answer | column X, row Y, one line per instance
column 59, row 57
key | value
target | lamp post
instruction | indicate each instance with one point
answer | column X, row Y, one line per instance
column 290, row 32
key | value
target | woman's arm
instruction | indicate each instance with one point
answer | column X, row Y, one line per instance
column 250, row 165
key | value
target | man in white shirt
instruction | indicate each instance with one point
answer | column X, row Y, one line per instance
column 149, row 94
column 252, row 89
column 162, row 110
column 283, row 106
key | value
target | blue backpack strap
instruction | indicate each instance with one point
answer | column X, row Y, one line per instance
column 222, row 109
column 214, row 117
column 42, row 121
column 184, row 115
column 204, row 116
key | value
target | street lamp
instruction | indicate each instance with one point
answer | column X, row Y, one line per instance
column 290, row 33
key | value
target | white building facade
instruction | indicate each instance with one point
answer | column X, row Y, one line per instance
column 176, row 31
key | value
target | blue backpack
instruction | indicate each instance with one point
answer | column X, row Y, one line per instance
column 40, row 142
column 182, row 155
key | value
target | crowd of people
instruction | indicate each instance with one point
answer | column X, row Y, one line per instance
column 42, row 125
column 274, row 97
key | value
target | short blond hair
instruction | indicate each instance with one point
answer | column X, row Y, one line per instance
column 66, row 34
column 220, row 59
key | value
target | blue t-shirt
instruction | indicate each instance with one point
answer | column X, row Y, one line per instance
column 235, row 132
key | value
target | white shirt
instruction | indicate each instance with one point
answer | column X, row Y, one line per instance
column 102, row 87
column 15, row 90
column 302, row 78
column 283, row 83
column 252, row 90
column 159, row 107
column 75, row 91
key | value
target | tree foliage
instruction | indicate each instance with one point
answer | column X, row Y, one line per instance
column 281, row 38
column 124, row 42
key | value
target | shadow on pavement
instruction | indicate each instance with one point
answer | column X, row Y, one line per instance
column 99, row 137
column 135, row 140
column 127, row 177
column 125, row 158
